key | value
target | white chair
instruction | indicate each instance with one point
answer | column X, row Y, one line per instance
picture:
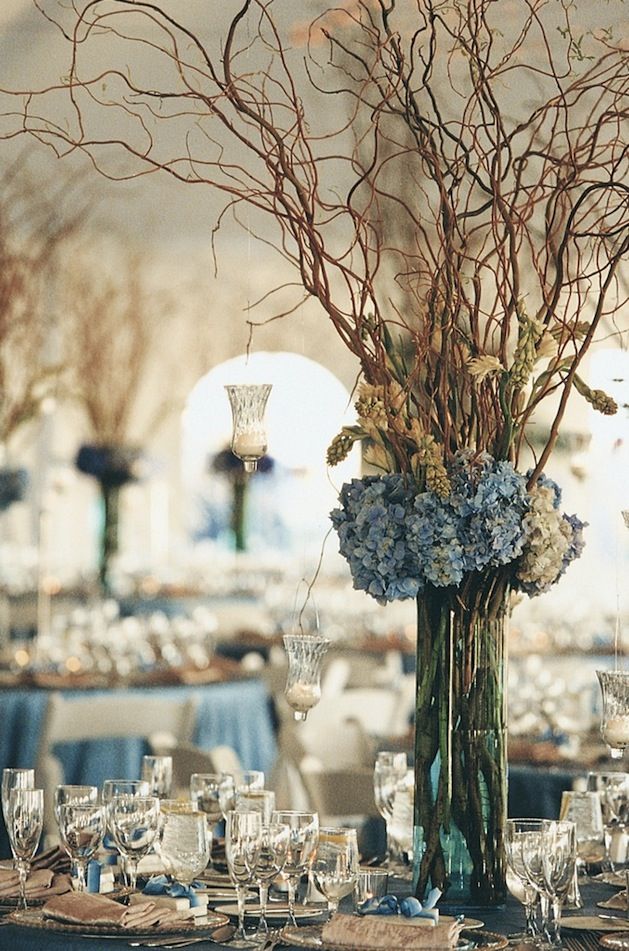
column 340, row 795
column 106, row 716
column 188, row 758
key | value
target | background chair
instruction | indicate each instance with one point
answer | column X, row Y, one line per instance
column 103, row 717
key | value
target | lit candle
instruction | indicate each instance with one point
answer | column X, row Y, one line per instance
column 249, row 444
column 302, row 697
column 616, row 731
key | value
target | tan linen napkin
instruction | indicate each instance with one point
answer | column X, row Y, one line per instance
column 55, row 858
column 82, row 908
column 380, row 933
column 40, row 884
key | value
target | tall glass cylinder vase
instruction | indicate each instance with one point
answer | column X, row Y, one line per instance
column 460, row 743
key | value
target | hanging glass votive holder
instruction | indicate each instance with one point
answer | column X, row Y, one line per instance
column 249, row 439
column 615, row 714
column 305, row 654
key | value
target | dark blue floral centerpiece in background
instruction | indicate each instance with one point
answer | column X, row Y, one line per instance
column 13, row 486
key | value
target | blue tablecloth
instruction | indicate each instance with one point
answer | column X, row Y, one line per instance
column 237, row 714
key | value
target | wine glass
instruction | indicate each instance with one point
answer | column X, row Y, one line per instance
column 335, row 866
column 134, row 822
column 302, row 844
column 521, row 834
column 73, row 794
column 184, row 845
column 389, row 769
column 124, row 787
column 559, row 856
column 25, row 816
column 243, row 840
column 205, row 791
column 227, row 793
column 271, row 860
column 256, row 800
column 81, row 828
column 249, row 779
column 14, row 778
column 157, row 771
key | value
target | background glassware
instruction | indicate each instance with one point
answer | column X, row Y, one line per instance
column 158, row 773
column 305, row 654
column 205, row 791
column 14, row 778
column 302, row 845
column 256, row 800
column 184, row 845
column 559, row 856
column 249, row 779
column 271, row 860
column 370, row 883
column 25, row 815
column 335, row 865
column 81, row 828
column 227, row 793
column 615, row 715
column 583, row 807
column 243, row 840
column 400, row 825
column 74, row 794
column 613, row 791
column 124, row 787
column 521, row 834
column 249, row 440
column 389, row 768
column 134, row 823
column 179, row 806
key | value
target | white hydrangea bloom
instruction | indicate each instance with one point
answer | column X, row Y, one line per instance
column 547, row 540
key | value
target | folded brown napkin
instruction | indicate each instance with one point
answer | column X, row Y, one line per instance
column 55, row 858
column 374, row 933
column 81, row 908
column 40, row 883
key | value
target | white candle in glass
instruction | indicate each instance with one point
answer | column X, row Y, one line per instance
column 302, row 697
column 249, row 444
column 616, row 731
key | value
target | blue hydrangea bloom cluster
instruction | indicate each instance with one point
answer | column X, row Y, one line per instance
column 396, row 542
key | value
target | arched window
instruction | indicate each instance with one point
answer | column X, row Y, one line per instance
column 287, row 504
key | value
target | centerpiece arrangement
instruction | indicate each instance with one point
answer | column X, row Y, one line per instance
column 460, row 216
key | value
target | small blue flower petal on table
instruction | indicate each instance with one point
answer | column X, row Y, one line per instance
column 410, row 906
column 160, row 885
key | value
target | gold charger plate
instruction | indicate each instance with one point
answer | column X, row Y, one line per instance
column 617, row 942
column 275, row 911
column 34, row 918
column 591, row 923
column 309, row 936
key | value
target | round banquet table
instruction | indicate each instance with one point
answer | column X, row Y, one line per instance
column 503, row 921
column 235, row 713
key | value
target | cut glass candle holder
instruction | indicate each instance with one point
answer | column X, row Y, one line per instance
column 249, row 438
column 615, row 716
column 305, row 654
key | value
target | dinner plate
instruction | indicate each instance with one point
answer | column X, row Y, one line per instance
column 617, row 902
column 309, row 936
column 222, row 894
column 34, row 918
column 275, row 911
column 591, row 923
column 617, row 942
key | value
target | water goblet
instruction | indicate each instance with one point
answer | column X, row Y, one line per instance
column 559, row 855
column 249, row 440
column 25, row 814
column 249, row 779
column 243, row 840
column 157, row 771
column 389, row 769
column 302, row 845
column 335, row 865
column 271, row 860
column 615, row 716
column 184, row 844
column 256, row 800
column 81, row 828
column 124, row 787
column 134, row 822
column 305, row 654
column 521, row 834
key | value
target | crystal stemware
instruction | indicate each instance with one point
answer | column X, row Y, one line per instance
column 559, row 855
column 184, row 845
column 25, row 816
column 14, row 778
column 243, row 840
column 271, row 860
column 390, row 767
column 256, row 800
column 249, row 439
column 134, row 822
column 521, row 836
column 613, row 791
column 615, row 716
column 335, row 865
column 74, row 794
column 305, row 654
column 157, row 771
column 81, row 828
column 302, row 845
